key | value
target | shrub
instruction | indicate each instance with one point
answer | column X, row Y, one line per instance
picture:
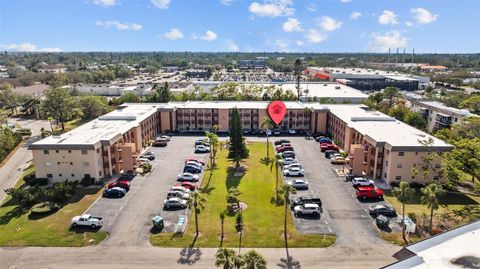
column 44, row 207
column 412, row 216
column 28, row 178
column 39, row 182
column 87, row 181
column 146, row 167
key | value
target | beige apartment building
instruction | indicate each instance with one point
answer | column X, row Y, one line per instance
column 380, row 146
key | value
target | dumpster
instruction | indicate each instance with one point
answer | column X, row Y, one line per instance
column 158, row 223
column 382, row 222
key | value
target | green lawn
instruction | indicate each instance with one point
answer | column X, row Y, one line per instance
column 17, row 229
column 263, row 220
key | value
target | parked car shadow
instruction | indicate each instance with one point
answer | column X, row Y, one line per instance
column 309, row 216
column 83, row 229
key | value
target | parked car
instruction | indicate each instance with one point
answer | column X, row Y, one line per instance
column 202, row 142
column 149, row 157
column 114, row 192
column 329, row 153
column 288, row 161
column 149, row 153
column 87, row 220
column 124, row 184
column 281, row 141
column 362, row 182
column 160, row 143
column 188, row 185
column 307, row 209
column 299, row 184
column 178, row 187
column 166, row 137
column 283, row 145
column 286, row 148
column 327, row 146
column 293, row 165
column 350, row 176
column 202, row 149
column 186, row 176
column 338, row 160
column 292, row 131
column 305, row 199
column 382, row 209
column 287, row 154
column 192, row 169
column 276, row 132
column 195, row 160
column 325, row 140
column 178, row 194
column 268, row 132
column 193, row 163
column 293, row 172
column 143, row 160
column 174, row 203
column 369, row 192
column 128, row 177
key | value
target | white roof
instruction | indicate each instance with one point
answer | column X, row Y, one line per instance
column 232, row 104
column 442, row 106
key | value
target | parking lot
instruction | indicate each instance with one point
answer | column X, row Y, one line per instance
column 128, row 219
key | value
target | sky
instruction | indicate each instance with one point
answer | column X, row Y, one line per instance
column 428, row 26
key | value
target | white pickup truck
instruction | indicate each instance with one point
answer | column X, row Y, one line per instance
column 87, row 220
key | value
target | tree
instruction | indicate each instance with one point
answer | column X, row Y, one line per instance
column 238, row 150
column 416, row 120
column 222, row 221
column 268, row 124
column 128, row 97
column 390, row 93
column 287, row 190
column 472, row 104
column 254, row 260
column 431, row 195
column 225, row 257
column 197, row 202
column 93, row 106
column 297, row 72
column 277, row 163
column 467, row 156
column 50, row 120
column 8, row 99
column 59, row 104
column 403, row 193
column 399, row 112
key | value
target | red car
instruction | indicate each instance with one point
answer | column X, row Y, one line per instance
column 284, row 148
column 326, row 146
column 124, row 184
column 189, row 185
column 369, row 192
column 195, row 160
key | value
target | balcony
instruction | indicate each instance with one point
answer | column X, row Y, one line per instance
column 444, row 119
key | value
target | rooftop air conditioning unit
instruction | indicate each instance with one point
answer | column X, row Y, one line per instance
column 337, row 87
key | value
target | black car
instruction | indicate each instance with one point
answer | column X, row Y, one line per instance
column 149, row 157
column 281, row 141
column 382, row 209
column 192, row 169
column 287, row 154
column 301, row 200
column 128, row 177
column 114, row 192
column 329, row 153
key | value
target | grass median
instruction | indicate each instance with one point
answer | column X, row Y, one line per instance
column 263, row 220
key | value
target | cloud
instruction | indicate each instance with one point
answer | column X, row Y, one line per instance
column 173, row 34
column 329, row 24
column 315, row 36
column 119, row 25
column 388, row 17
column 272, row 8
column 423, row 16
column 299, row 43
column 345, row 1
column 226, row 2
column 312, row 7
column 409, row 23
column 292, row 25
column 282, row 45
column 232, row 46
column 208, row 36
column 391, row 39
column 28, row 47
column 355, row 15
column 161, row 4
column 105, row 3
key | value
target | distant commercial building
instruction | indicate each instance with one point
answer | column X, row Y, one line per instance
column 368, row 79
column 197, row 73
column 53, row 69
column 438, row 115
column 252, row 64
column 433, row 68
column 380, row 146
column 456, row 248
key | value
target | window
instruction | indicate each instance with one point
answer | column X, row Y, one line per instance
column 84, row 151
column 49, row 175
column 58, row 163
column 56, row 151
column 436, row 178
column 388, row 151
column 60, row 175
column 86, row 164
column 98, row 150
column 414, row 165
column 71, row 163
column 100, row 173
column 413, row 177
column 86, row 175
column 48, row 164
column 385, row 175
column 46, row 151
column 73, row 175
column 437, row 165
column 398, row 177
column 416, row 153
column 386, row 163
column 399, row 165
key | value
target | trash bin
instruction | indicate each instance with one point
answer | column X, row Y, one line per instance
column 158, row 223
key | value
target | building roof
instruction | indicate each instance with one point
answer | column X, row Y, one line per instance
column 441, row 106
column 454, row 247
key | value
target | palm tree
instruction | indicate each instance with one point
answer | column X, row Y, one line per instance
column 287, row 190
column 222, row 220
column 277, row 162
column 225, row 257
column 213, row 141
column 197, row 202
column 268, row 124
column 344, row 154
column 431, row 195
column 50, row 120
column 254, row 260
column 403, row 193
column 239, row 261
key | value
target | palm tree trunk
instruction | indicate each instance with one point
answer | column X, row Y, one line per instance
column 267, row 148
column 221, row 236
column 431, row 219
column 63, row 125
column 196, row 220
column 276, row 182
column 403, row 224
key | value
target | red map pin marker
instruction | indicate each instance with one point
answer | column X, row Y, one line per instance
column 277, row 111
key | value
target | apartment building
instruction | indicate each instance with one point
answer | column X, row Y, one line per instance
column 379, row 146
column 438, row 115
